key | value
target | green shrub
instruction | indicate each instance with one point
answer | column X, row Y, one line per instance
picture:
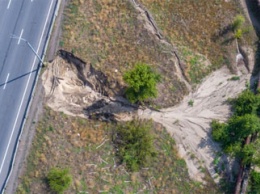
column 238, row 22
column 219, row 132
column 235, row 78
column 141, row 83
column 245, row 103
column 134, row 144
column 255, row 182
column 59, row 180
column 191, row 102
column 238, row 33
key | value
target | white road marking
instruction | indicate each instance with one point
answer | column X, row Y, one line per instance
column 6, row 80
column 2, row 164
column 20, row 37
column 9, row 4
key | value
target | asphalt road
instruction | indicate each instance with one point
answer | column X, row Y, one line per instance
column 29, row 20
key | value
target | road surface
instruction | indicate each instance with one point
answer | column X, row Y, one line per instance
column 29, row 20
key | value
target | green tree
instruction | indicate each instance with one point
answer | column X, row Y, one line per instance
column 219, row 131
column 141, row 83
column 59, row 180
column 238, row 136
column 134, row 143
column 255, row 182
column 233, row 134
column 246, row 103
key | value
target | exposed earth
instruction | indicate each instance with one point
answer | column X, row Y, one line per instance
column 189, row 124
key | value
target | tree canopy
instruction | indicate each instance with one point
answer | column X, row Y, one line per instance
column 239, row 135
column 134, row 143
column 59, row 180
column 141, row 81
column 246, row 103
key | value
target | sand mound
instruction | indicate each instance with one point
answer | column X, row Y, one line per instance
column 79, row 93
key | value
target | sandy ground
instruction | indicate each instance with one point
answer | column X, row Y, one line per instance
column 189, row 125
column 66, row 93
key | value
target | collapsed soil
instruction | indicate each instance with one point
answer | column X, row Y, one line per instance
column 80, row 90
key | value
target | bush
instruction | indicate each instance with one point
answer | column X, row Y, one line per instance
column 134, row 143
column 246, row 103
column 255, row 182
column 59, row 180
column 219, row 132
column 235, row 78
column 191, row 102
column 141, row 83
column 238, row 22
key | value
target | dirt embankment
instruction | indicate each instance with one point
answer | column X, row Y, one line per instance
column 76, row 88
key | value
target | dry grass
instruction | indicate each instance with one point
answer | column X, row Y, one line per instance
column 86, row 149
column 110, row 36
column 197, row 25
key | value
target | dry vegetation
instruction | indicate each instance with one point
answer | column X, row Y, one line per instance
column 110, row 36
column 201, row 26
column 85, row 147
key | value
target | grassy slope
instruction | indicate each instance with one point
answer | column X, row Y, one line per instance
column 197, row 25
column 57, row 144
column 110, row 36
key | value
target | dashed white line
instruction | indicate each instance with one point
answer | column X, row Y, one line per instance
column 6, row 80
column 20, row 37
column 2, row 164
column 9, row 3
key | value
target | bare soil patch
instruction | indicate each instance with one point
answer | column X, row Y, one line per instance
column 189, row 123
column 77, row 89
